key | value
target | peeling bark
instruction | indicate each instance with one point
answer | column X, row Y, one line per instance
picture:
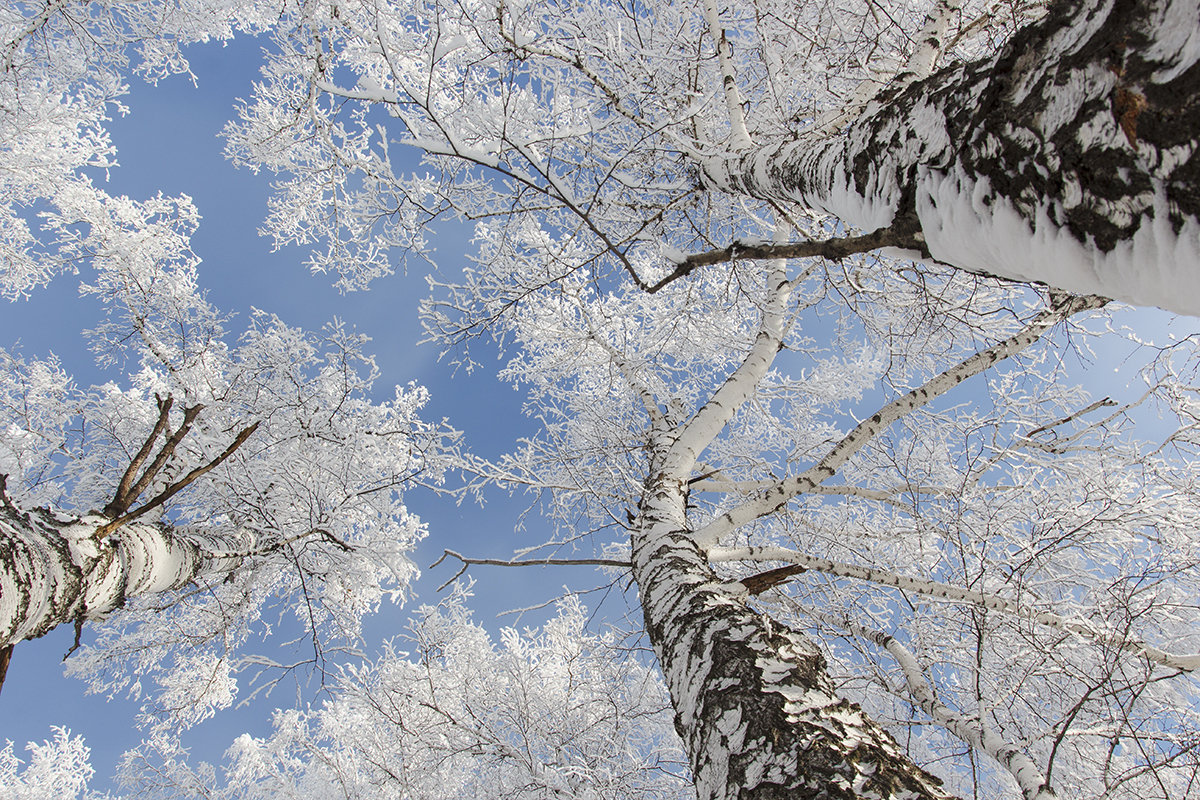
column 1067, row 159
column 754, row 705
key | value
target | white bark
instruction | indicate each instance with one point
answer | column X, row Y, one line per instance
column 775, row 497
column 55, row 570
column 1067, row 158
column 758, row 714
column 971, row 730
column 739, row 138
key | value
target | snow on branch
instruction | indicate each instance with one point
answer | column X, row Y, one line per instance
column 126, row 495
column 784, row 490
column 525, row 562
column 956, row 594
column 715, row 414
column 971, row 728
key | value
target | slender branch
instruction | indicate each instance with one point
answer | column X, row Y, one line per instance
column 969, row 728
column 1104, row 403
column 122, row 498
column 956, row 594
column 532, row 562
column 657, row 420
column 930, row 43
column 35, row 23
column 168, row 449
column 739, row 136
column 278, row 545
column 699, row 431
column 777, row 496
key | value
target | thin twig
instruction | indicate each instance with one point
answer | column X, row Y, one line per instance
column 538, row 562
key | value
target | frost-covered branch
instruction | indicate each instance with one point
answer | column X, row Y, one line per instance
column 778, row 495
column 118, row 509
column 739, row 138
column 969, row 728
column 929, row 153
column 956, row 594
column 468, row 561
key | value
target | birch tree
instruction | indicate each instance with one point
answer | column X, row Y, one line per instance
column 216, row 481
column 223, row 480
column 855, row 570
column 1060, row 154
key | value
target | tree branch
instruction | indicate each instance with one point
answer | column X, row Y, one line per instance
column 784, row 490
column 969, row 728
column 956, row 594
column 901, row 234
column 122, row 498
column 171, row 490
column 711, row 418
column 533, row 562
column 168, row 449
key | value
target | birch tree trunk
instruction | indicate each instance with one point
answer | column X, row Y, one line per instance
column 754, row 705
column 1066, row 159
column 54, row 569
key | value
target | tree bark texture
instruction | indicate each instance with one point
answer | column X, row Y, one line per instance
column 757, row 711
column 1066, row 159
column 54, row 569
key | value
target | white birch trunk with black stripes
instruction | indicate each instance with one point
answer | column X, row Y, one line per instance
column 54, row 569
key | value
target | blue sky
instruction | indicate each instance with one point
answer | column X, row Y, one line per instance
column 169, row 143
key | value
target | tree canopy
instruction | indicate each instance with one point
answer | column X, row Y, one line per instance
column 802, row 295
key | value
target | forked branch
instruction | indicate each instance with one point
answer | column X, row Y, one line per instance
column 124, row 497
column 174, row 488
